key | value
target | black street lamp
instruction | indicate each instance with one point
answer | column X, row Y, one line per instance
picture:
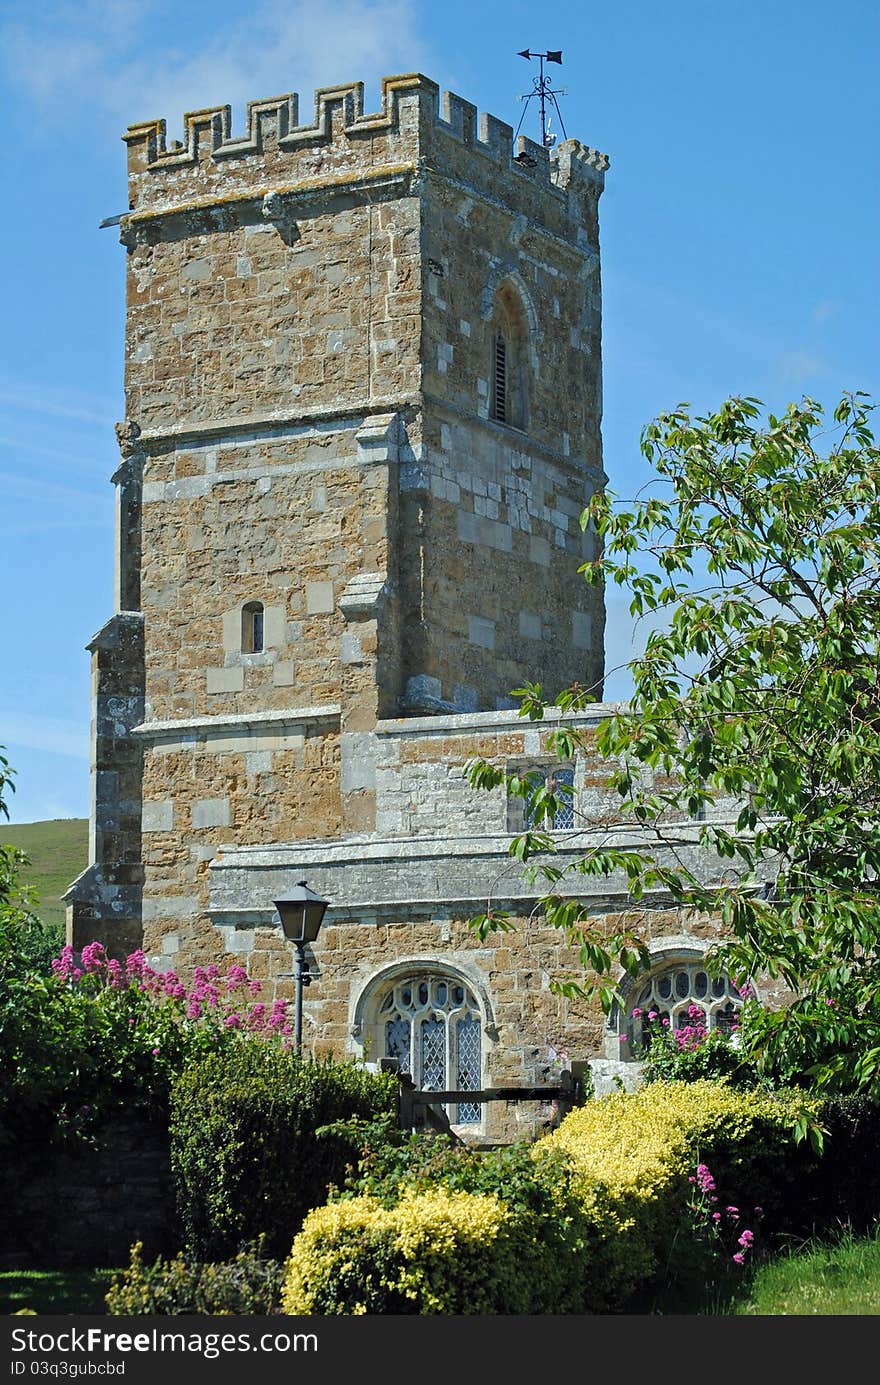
column 301, row 914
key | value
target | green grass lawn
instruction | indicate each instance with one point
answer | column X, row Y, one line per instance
column 826, row 1280
column 840, row 1279
column 54, row 1291
column 58, row 850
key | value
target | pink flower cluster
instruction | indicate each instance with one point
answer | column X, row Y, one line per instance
column 700, row 1204
column 703, row 1179
column 690, row 1036
column 225, row 998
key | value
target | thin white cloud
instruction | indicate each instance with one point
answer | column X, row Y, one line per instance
column 33, row 488
column 825, row 310
column 44, row 808
column 24, row 447
column 34, row 732
column 60, row 526
column 67, row 55
column 800, row 365
column 33, row 398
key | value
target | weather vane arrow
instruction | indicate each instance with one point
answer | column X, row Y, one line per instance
column 543, row 88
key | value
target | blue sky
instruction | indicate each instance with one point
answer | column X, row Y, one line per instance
column 739, row 232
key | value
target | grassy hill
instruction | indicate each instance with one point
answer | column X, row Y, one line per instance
column 58, row 851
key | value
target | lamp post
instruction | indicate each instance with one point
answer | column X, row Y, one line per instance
column 301, row 914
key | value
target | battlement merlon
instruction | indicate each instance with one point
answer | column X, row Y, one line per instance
column 416, row 127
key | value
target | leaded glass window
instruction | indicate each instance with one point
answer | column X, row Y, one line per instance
column 552, row 780
column 671, row 993
column 431, row 1024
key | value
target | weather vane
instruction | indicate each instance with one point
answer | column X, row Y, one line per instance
column 545, row 92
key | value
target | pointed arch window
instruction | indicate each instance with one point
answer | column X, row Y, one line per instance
column 509, row 364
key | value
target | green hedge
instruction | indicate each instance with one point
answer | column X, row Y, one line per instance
column 246, row 1157
column 249, row 1284
column 604, row 1218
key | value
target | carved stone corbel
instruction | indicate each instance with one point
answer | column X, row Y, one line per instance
column 275, row 211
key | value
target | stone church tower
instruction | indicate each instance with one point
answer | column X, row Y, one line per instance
column 363, row 404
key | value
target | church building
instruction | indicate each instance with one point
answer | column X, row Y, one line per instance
column 362, row 418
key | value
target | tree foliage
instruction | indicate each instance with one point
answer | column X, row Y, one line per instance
column 753, row 732
column 25, row 942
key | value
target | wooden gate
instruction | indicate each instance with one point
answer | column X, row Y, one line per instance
column 420, row 1110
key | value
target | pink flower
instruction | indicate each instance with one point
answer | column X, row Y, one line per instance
column 739, row 1258
column 93, row 956
column 622, row 1039
column 652, row 1014
column 716, row 1216
column 665, row 1022
column 636, row 1012
column 155, row 1052
column 705, row 1179
column 746, row 1239
column 759, row 1211
column 193, row 1010
column 233, row 1021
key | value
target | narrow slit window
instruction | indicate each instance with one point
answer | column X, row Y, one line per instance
column 252, row 628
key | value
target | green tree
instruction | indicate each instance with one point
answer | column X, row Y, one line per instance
column 754, row 557
column 24, row 941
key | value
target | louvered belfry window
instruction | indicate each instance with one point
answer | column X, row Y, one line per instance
column 499, row 380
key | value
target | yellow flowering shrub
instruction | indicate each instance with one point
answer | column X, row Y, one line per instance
column 617, row 1172
column 429, row 1254
column 631, row 1154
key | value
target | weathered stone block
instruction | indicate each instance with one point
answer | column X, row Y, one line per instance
column 211, row 812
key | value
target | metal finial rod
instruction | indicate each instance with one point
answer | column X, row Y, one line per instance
column 542, row 87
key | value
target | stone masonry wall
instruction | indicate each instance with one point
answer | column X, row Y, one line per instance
column 491, row 539
column 287, row 520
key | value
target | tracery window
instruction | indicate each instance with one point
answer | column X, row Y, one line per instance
column 683, row 994
column 430, row 1022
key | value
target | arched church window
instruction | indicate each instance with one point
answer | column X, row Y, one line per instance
column 430, row 1022
column 252, row 628
column 678, row 996
column 509, row 335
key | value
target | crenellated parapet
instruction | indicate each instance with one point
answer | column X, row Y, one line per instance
column 417, row 130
